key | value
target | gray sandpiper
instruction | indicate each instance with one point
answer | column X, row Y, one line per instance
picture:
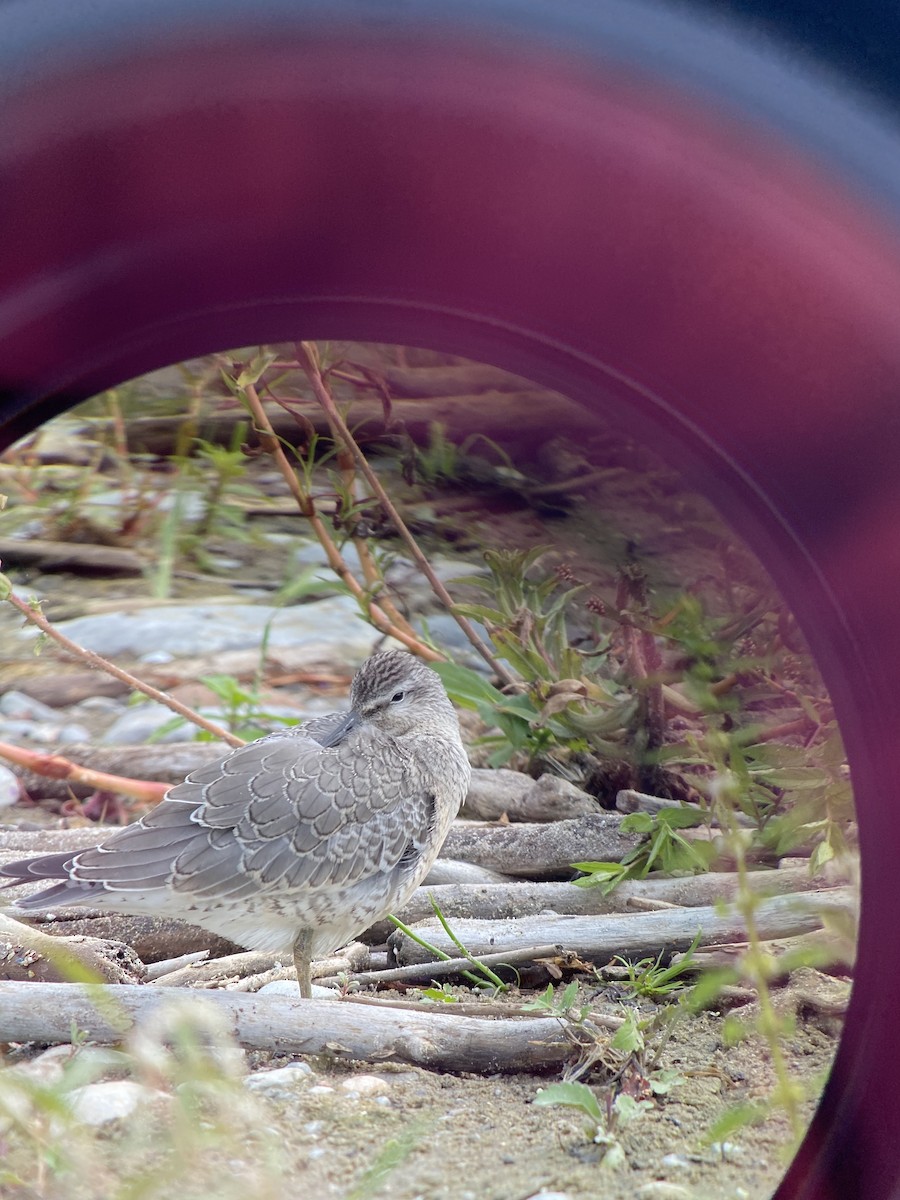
column 296, row 842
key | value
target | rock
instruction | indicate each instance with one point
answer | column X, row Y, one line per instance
column 10, row 789
column 324, row 631
column 288, row 987
column 25, row 708
column 298, row 1074
column 447, row 634
column 114, row 1100
column 660, row 1189
column 95, row 1061
column 365, row 1085
column 143, row 721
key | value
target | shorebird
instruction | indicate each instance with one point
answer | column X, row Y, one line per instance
column 294, row 843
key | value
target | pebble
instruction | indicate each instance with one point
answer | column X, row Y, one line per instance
column 22, row 706
column 288, row 987
column 549, row 1196
column 659, row 1189
column 292, row 1076
column 365, row 1085
column 9, row 787
column 321, row 1089
column 675, row 1160
column 99, row 1103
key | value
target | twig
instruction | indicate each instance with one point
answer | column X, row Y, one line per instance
column 446, row 966
column 272, row 445
column 54, row 766
column 36, row 617
column 307, row 357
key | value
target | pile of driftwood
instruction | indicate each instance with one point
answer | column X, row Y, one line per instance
column 503, row 882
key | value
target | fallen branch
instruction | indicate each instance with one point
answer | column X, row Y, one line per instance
column 500, row 901
column 63, row 556
column 52, row 1013
column 446, row 966
column 498, row 793
column 28, row 954
column 632, row 935
column 534, row 850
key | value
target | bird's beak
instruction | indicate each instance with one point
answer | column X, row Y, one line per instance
column 349, row 721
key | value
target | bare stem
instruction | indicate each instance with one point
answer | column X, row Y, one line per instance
column 54, row 766
column 309, row 363
column 97, row 661
column 336, row 562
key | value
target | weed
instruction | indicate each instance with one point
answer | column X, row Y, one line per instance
column 648, row 978
column 482, row 977
column 601, row 1127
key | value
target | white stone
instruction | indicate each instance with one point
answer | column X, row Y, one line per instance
column 279, row 1077
column 365, row 1085
column 100, row 1103
column 661, row 1189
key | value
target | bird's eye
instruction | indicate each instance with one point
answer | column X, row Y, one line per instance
column 397, row 696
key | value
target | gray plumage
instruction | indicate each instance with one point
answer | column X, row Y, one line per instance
column 296, row 842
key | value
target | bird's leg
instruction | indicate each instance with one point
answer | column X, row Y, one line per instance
column 302, row 956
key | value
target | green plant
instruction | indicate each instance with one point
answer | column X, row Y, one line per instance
column 663, row 849
column 648, row 977
column 601, row 1127
column 482, row 977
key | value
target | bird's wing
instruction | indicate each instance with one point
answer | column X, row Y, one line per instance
column 278, row 814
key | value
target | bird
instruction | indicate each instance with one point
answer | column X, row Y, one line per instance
column 293, row 843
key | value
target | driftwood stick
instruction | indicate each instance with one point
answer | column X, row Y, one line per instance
column 535, row 850
column 446, row 966
column 28, row 954
column 493, row 794
column 49, row 1013
column 497, row 901
column 55, row 766
column 631, row 935
column 167, row 763
column 65, row 556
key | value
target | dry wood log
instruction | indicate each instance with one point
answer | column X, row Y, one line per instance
column 36, row 1012
column 541, row 850
column 151, row 938
column 446, row 871
column 632, row 935
column 77, row 557
column 500, row 901
column 820, row 948
column 520, row 420
column 29, row 954
column 494, row 794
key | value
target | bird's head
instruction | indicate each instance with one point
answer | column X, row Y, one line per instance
column 398, row 695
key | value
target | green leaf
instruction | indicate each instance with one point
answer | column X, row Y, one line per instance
column 735, row 1118
column 681, row 818
column 467, row 687
column 638, row 822
column 573, row 1095
column 628, row 1037
column 597, row 868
